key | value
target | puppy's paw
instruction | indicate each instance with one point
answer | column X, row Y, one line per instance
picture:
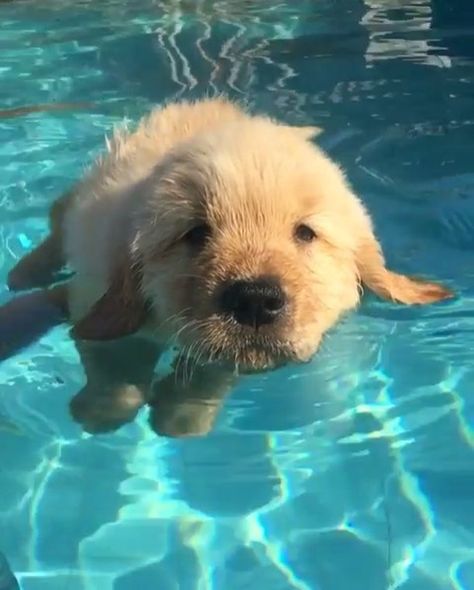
column 193, row 417
column 99, row 411
column 184, row 409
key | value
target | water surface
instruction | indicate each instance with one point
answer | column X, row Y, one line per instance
column 354, row 471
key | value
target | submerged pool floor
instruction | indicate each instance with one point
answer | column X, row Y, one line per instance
column 355, row 471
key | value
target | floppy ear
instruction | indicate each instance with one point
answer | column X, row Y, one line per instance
column 307, row 131
column 391, row 285
column 121, row 311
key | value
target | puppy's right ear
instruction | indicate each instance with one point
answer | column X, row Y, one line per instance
column 391, row 285
column 121, row 311
column 307, row 132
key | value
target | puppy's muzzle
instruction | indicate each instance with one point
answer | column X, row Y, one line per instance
column 253, row 303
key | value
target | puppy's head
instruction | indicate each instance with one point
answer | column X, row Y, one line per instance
column 250, row 247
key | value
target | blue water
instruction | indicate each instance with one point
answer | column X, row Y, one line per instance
column 354, row 472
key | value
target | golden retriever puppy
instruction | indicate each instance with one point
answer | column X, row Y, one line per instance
column 230, row 235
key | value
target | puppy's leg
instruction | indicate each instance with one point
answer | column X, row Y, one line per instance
column 181, row 407
column 119, row 376
column 38, row 267
column 29, row 316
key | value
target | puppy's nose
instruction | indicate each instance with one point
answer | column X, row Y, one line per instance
column 254, row 303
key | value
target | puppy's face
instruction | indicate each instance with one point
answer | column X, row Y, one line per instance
column 249, row 249
column 249, row 257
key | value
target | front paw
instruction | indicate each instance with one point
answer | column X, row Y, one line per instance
column 99, row 411
column 182, row 410
column 192, row 417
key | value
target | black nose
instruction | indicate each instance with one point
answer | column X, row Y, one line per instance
column 253, row 303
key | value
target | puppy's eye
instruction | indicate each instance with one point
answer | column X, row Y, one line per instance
column 198, row 235
column 303, row 233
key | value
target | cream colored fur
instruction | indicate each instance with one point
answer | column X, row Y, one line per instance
column 258, row 179
column 253, row 184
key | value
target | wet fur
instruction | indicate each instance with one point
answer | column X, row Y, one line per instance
column 253, row 180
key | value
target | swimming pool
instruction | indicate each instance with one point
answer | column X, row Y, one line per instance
column 356, row 471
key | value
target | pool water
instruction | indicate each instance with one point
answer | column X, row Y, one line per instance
column 353, row 472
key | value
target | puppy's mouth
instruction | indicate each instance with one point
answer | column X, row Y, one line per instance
column 246, row 349
column 256, row 356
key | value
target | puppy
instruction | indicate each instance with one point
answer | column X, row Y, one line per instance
column 230, row 235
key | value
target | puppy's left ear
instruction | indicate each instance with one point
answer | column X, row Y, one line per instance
column 391, row 285
column 121, row 311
